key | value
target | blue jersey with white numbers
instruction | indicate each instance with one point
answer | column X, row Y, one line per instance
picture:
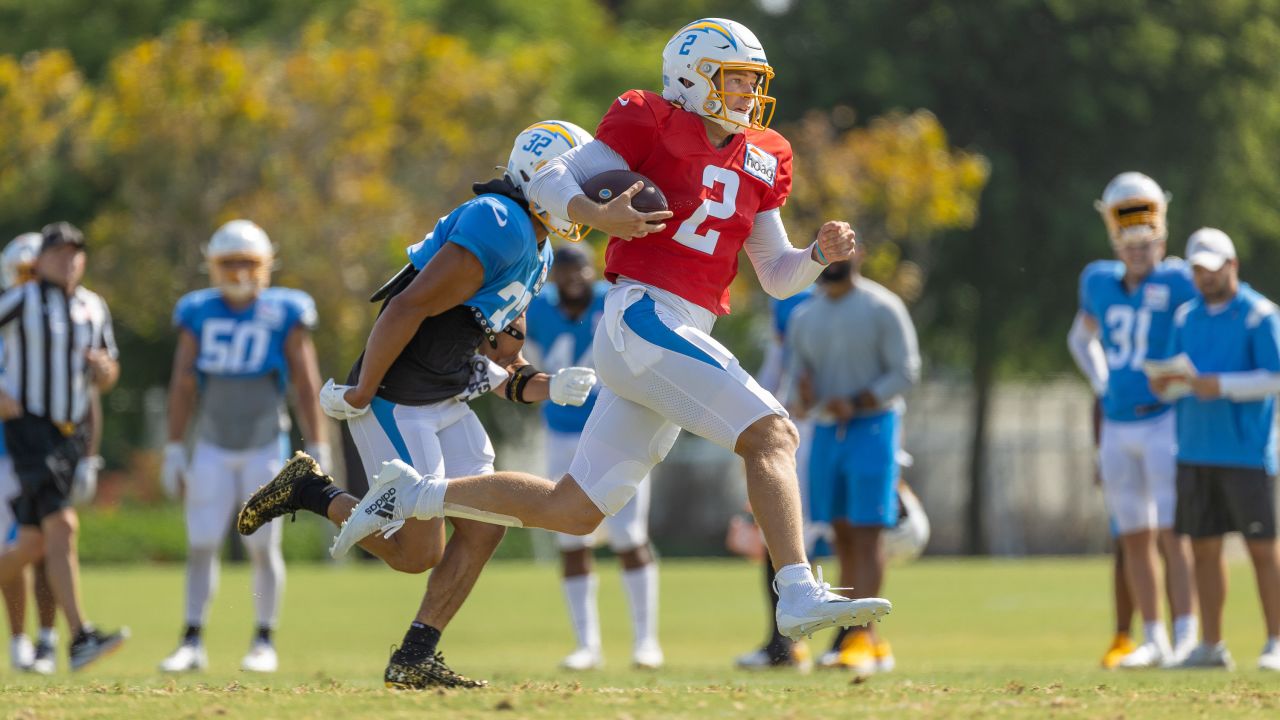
column 248, row 342
column 562, row 342
column 1243, row 335
column 500, row 234
column 1134, row 327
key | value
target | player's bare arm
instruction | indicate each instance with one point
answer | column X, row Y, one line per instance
column 104, row 371
column 304, row 370
column 451, row 277
column 617, row 218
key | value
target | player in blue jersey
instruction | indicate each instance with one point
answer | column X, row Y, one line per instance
column 463, row 292
column 241, row 343
column 1125, row 316
column 562, row 323
column 17, row 265
column 1226, row 437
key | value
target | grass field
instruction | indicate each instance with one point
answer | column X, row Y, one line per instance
column 973, row 639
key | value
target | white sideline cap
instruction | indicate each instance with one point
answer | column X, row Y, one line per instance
column 1210, row 249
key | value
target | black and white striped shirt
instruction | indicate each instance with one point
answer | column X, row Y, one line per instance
column 47, row 337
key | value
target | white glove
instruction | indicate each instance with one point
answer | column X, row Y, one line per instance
column 173, row 470
column 335, row 405
column 485, row 376
column 323, row 456
column 84, row 484
column 572, row 385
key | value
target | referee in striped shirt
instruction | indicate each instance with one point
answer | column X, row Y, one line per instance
column 59, row 349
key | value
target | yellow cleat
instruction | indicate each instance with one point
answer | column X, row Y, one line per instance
column 1121, row 645
column 884, row 657
column 858, row 654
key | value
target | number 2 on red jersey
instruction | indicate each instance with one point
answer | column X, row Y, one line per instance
column 721, row 209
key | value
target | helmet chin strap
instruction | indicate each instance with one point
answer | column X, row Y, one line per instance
column 241, row 291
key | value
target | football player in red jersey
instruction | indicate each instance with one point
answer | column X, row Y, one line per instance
column 705, row 142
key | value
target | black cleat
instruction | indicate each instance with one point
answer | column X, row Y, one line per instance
column 281, row 496
column 412, row 669
column 93, row 645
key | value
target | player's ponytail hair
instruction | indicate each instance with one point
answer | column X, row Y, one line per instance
column 504, row 187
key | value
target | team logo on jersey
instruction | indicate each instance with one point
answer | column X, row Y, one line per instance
column 270, row 314
column 1156, row 298
column 760, row 164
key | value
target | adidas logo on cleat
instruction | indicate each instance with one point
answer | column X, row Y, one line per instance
column 383, row 506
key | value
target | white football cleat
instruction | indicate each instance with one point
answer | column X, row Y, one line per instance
column 582, row 659
column 22, row 654
column 818, row 608
column 1270, row 657
column 1182, row 650
column 260, row 658
column 189, row 657
column 1209, row 657
column 648, row 656
column 383, row 509
column 1150, row 654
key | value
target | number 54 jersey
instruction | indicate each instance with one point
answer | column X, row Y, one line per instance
column 713, row 193
column 1134, row 327
column 244, row 343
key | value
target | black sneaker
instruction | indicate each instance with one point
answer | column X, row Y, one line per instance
column 91, row 645
column 282, row 495
column 46, row 662
column 414, row 669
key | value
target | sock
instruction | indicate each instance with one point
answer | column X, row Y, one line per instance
column 425, row 637
column 263, row 634
column 191, row 636
column 268, row 581
column 1154, row 632
column 1185, row 627
column 18, row 638
column 1272, row 645
column 642, row 595
column 429, row 502
column 794, row 580
column 202, row 582
column 580, row 595
column 48, row 636
column 776, row 639
column 315, row 496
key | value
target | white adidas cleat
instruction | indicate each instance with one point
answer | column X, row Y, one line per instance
column 383, row 509
column 819, row 608
column 582, row 659
column 1150, row 654
column 648, row 656
column 261, row 658
column 189, row 657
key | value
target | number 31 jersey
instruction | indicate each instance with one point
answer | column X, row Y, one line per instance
column 1134, row 327
column 244, row 343
column 713, row 193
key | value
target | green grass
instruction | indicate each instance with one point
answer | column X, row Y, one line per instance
column 973, row 639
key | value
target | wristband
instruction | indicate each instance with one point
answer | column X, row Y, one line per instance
column 822, row 257
column 516, row 385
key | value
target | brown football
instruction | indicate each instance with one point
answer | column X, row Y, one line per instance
column 611, row 183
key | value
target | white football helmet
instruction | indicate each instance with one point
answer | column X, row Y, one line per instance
column 240, row 240
column 693, row 66
column 1133, row 207
column 906, row 540
column 534, row 146
column 18, row 261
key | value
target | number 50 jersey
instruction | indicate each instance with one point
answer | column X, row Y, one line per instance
column 244, row 343
column 713, row 193
column 1134, row 327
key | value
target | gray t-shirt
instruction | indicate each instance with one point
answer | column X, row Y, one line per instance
column 863, row 340
column 241, row 413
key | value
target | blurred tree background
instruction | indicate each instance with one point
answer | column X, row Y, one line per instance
column 965, row 142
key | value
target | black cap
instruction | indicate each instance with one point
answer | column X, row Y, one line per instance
column 574, row 254
column 60, row 233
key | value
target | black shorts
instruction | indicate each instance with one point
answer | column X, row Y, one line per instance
column 44, row 459
column 1215, row 500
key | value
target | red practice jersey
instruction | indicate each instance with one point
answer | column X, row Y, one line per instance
column 713, row 193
